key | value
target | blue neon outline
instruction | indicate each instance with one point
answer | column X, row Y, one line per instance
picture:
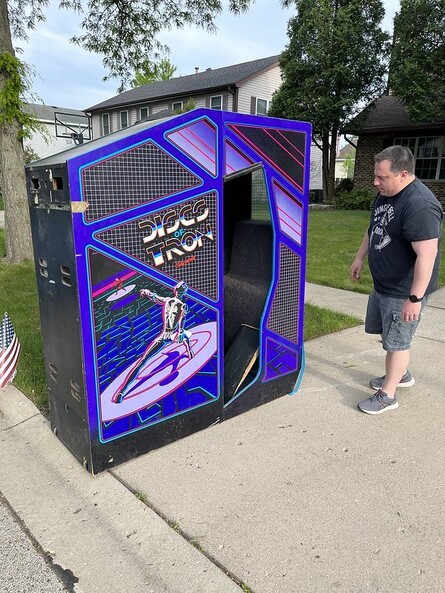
column 266, row 303
column 300, row 373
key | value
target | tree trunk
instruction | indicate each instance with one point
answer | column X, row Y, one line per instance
column 12, row 160
column 332, row 157
column 325, row 166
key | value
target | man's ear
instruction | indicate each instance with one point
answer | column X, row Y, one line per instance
column 404, row 175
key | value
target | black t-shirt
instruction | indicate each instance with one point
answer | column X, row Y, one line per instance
column 414, row 214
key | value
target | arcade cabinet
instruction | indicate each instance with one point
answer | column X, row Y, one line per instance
column 170, row 260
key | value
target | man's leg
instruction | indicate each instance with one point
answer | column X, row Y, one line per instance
column 396, row 364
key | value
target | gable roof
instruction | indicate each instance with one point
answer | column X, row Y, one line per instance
column 385, row 114
column 199, row 82
column 46, row 112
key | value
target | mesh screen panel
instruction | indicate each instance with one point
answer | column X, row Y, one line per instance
column 139, row 175
column 283, row 318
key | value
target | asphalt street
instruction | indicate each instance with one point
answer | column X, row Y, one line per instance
column 23, row 566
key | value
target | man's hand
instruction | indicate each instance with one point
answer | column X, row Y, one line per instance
column 355, row 269
column 410, row 311
column 145, row 293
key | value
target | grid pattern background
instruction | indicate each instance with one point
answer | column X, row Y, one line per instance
column 283, row 318
column 139, row 175
column 200, row 273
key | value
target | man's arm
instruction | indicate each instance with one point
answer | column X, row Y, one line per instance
column 362, row 253
column 426, row 252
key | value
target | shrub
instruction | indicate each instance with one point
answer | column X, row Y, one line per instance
column 344, row 185
column 357, row 199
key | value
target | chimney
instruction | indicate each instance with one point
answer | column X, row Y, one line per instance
column 196, row 69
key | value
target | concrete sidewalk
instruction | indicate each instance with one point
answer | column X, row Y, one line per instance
column 305, row 494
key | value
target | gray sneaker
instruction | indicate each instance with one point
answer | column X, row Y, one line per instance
column 406, row 381
column 378, row 403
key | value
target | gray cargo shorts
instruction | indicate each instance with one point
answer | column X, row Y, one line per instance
column 383, row 317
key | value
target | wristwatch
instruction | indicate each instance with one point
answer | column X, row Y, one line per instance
column 414, row 299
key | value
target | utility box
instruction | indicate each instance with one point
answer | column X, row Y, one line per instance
column 170, row 260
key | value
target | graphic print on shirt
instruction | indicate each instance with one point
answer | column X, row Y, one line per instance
column 379, row 237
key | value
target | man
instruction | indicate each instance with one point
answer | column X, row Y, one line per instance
column 402, row 244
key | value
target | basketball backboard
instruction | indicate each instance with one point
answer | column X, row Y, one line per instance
column 72, row 125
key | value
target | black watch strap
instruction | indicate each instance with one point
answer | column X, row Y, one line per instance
column 414, row 299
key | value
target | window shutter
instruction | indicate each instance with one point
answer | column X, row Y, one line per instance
column 225, row 104
column 207, row 101
column 253, row 105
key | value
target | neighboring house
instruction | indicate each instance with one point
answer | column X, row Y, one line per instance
column 344, row 153
column 386, row 122
column 49, row 142
column 243, row 88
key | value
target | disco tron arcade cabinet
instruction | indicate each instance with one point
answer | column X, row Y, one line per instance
column 170, row 260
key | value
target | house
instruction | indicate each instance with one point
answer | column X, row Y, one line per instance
column 345, row 155
column 59, row 129
column 242, row 88
column 386, row 122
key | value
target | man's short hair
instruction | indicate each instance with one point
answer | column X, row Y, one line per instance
column 400, row 157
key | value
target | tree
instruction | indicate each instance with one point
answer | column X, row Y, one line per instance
column 150, row 72
column 417, row 67
column 188, row 106
column 13, row 122
column 336, row 58
column 349, row 165
column 124, row 32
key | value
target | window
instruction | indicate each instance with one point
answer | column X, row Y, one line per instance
column 216, row 102
column 177, row 106
column 124, row 119
column 143, row 113
column 262, row 106
column 429, row 155
column 105, row 124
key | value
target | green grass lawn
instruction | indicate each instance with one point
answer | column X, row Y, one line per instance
column 18, row 297
column 334, row 237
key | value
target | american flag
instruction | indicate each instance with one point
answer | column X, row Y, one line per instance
column 9, row 351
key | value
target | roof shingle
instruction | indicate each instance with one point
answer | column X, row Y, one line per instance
column 387, row 113
column 192, row 83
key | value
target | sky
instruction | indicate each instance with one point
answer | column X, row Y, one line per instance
column 68, row 76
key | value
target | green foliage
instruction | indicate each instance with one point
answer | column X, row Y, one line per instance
column 30, row 155
column 24, row 15
column 12, row 107
column 417, row 68
column 345, row 185
column 335, row 59
column 188, row 106
column 356, row 199
column 150, row 72
column 349, row 165
column 126, row 33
